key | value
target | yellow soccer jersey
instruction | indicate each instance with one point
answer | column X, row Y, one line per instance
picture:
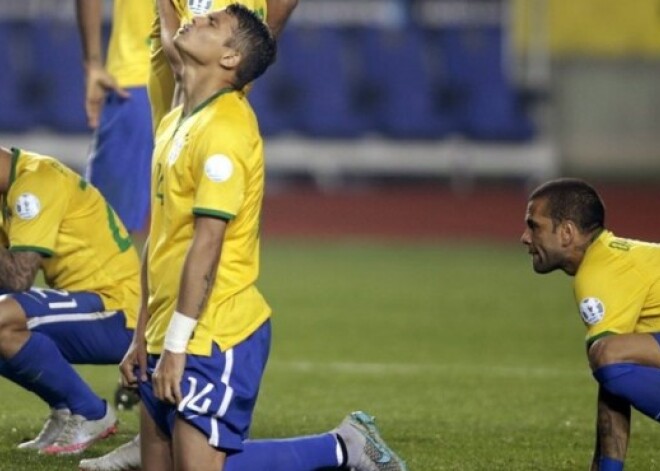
column 51, row 210
column 209, row 163
column 161, row 80
column 617, row 287
column 129, row 50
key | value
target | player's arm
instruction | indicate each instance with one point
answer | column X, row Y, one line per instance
column 197, row 280
column 18, row 269
column 169, row 25
column 136, row 355
column 98, row 81
column 612, row 432
column 279, row 12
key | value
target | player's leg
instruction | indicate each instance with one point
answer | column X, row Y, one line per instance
column 13, row 329
column 120, row 159
column 355, row 444
column 62, row 328
column 156, row 420
column 642, row 349
column 155, row 445
column 628, row 366
column 191, row 450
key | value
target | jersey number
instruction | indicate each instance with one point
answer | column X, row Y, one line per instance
column 124, row 243
column 194, row 400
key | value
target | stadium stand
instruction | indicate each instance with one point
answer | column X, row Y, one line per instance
column 350, row 75
column 406, row 89
column 18, row 114
column 56, row 50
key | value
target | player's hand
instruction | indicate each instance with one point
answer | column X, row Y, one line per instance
column 99, row 82
column 134, row 359
column 166, row 379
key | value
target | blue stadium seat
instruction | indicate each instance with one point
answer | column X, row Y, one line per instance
column 490, row 108
column 319, row 72
column 274, row 96
column 56, row 47
column 16, row 93
column 405, row 93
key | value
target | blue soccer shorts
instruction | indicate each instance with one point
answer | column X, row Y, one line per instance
column 120, row 159
column 219, row 391
column 78, row 323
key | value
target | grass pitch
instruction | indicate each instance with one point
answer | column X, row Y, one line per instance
column 468, row 360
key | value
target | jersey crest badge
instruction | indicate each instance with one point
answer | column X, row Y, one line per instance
column 218, row 168
column 27, row 206
column 199, row 7
column 592, row 310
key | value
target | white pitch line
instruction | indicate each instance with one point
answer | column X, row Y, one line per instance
column 404, row 369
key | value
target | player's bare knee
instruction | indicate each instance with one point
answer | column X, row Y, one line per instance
column 12, row 321
column 604, row 352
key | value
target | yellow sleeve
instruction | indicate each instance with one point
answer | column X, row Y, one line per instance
column 219, row 173
column 36, row 212
column 610, row 298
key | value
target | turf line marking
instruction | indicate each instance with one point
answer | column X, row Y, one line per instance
column 404, row 369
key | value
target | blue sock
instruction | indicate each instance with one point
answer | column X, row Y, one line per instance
column 609, row 464
column 293, row 454
column 638, row 384
column 40, row 367
column 35, row 388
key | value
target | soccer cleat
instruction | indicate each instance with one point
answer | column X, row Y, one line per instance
column 49, row 432
column 124, row 458
column 365, row 448
column 79, row 433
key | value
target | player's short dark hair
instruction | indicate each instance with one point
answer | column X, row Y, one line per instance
column 575, row 200
column 254, row 41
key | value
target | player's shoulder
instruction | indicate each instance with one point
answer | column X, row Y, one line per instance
column 40, row 170
column 230, row 114
column 621, row 248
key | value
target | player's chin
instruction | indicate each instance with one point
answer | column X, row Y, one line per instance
column 542, row 268
column 538, row 264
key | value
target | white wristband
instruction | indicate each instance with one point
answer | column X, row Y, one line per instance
column 179, row 332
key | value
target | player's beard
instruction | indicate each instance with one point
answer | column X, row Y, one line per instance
column 544, row 263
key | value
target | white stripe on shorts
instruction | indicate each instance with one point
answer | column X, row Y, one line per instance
column 226, row 399
column 224, row 379
column 61, row 318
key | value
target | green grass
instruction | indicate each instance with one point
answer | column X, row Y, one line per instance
column 468, row 359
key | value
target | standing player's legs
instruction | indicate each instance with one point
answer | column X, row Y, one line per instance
column 41, row 333
column 120, row 160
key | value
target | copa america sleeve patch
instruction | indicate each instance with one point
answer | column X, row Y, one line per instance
column 218, row 168
column 27, row 206
column 592, row 310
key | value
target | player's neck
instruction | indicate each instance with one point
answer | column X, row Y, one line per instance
column 199, row 85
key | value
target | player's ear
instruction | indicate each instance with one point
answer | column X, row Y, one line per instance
column 568, row 232
column 230, row 59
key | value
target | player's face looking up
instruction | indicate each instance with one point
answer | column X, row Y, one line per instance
column 204, row 40
column 543, row 238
